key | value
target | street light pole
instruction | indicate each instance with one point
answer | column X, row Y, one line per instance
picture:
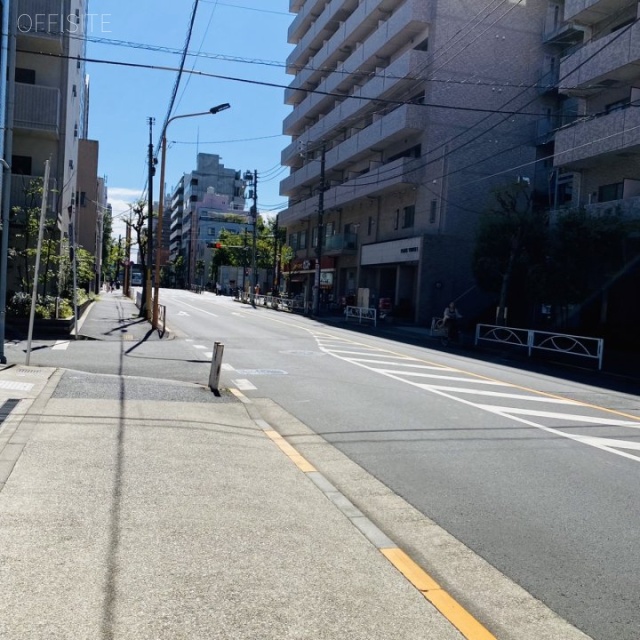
column 212, row 111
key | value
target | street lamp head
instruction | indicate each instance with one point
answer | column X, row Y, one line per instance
column 220, row 107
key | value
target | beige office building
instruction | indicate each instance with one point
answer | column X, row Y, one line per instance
column 49, row 115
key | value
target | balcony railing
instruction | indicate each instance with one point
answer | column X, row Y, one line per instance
column 42, row 24
column 395, row 77
column 611, row 133
column 37, row 108
column 341, row 243
column 24, row 195
column 405, row 121
column 610, row 58
column 628, row 208
column 386, row 178
column 406, row 22
column 592, row 11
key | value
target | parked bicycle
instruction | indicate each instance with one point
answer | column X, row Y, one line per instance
column 450, row 326
column 444, row 331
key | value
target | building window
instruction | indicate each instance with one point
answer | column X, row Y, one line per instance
column 396, row 220
column 564, row 190
column 409, row 215
column 25, row 76
column 370, row 224
column 314, row 237
column 83, row 198
column 609, row 192
column 302, row 241
column 329, row 229
column 211, row 231
column 21, row 165
column 423, row 46
column 618, row 105
column 433, row 210
column 293, row 241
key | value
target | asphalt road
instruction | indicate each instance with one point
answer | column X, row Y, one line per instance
column 536, row 474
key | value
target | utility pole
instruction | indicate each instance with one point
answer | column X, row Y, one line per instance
column 276, row 262
column 127, row 258
column 244, row 261
column 316, row 284
column 252, row 179
column 149, row 260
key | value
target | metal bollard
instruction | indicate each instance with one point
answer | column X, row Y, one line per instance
column 216, row 364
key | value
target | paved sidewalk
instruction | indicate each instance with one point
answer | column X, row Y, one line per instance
column 130, row 515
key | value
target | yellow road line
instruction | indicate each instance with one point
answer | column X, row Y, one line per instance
column 302, row 463
column 452, row 610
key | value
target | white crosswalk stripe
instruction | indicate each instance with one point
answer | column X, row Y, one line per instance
column 244, row 385
column 415, row 372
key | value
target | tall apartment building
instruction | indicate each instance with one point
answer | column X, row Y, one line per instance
column 598, row 154
column 190, row 191
column 47, row 83
column 406, row 115
column 214, row 213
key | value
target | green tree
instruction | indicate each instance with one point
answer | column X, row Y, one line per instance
column 139, row 224
column 286, row 258
column 200, row 270
column 585, row 253
column 25, row 223
column 178, row 268
column 85, row 267
column 510, row 242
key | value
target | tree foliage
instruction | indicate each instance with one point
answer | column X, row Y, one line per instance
column 523, row 258
column 139, row 226
column 510, row 241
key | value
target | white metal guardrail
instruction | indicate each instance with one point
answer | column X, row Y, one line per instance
column 280, row 304
column 582, row 346
column 361, row 313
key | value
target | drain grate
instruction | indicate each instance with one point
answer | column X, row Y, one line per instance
column 27, row 371
column 7, row 407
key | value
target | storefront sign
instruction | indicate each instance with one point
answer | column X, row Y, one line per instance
column 405, row 250
column 326, row 278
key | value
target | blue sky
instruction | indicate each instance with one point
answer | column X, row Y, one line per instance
column 244, row 40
